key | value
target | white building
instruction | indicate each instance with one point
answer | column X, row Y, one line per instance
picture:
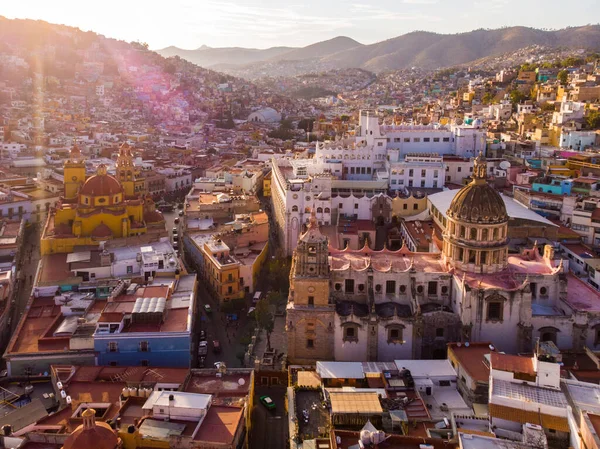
column 577, row 140
column 266, row 115
column 569, row 110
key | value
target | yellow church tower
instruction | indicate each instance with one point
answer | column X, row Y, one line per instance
column 128, row 174
column 74, row 173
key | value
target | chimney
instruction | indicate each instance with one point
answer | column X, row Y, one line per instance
column 89, row 418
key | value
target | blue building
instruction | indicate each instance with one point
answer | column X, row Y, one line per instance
column 148, row 326
column 557, row 186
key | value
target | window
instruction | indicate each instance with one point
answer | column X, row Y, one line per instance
column 459, row 169
column 403, row 289
column 144, row 347
column 439, row 332
column 396, row 139
column 361, row 287
column 390, row 287
column 423, row 173
column 410, row 172
column 426, row 139
column 417, row 139
column 405, row 206
column 432, row 288
column 311, row 300
column 112, row 346
column 446, row 139
column 395, row 335
column 494, row 311
column 436, row 139
column 349, row 286
column 356, row 206
column 420, row 289
column 294, row 208
column 444, row 290
column 351, row 333
column 543, row 291
column 415, row 206
column 473, row 234
column 378, row 288
column 407, row 139
column 310, row 343
column 338, row 286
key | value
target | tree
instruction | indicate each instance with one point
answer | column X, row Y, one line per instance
column 563, row 77
column 306, row 124
column 264, row 319
column 487, row 98
column 516, row 96
column 593, row 119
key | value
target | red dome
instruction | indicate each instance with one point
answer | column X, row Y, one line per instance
column 101, row 184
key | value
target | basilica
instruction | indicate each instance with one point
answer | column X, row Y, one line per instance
column 367, row 305
column 100, row 207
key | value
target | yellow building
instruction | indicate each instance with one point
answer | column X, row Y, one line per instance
column 222, row 271
column 98, row 208
column 267, row 185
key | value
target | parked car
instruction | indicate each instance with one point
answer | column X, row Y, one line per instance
column 207, row 308
column 176, row 221
column 175, row 231
column 181, row 213
column 216, row 346
column 202, row 335
column 267, row 402
column 202, row 348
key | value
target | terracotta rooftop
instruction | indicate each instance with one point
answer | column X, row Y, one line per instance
column 220, row 424
column 472, row 359
column 512, row 363
column 582, row 296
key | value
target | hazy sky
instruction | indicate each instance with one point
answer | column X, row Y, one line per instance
column 261, row 24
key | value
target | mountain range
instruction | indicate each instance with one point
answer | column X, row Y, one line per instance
column 417, row 49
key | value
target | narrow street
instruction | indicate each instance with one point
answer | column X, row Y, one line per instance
column 30, row 258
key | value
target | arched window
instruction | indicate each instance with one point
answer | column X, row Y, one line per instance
column 294, row 208
column 462, row 231
column 473, row 233
column 327, row 210
column 319, row 210
column 484, row 234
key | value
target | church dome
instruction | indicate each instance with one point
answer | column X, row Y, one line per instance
column 101, row 184
column 478, row 202
column 92, row 435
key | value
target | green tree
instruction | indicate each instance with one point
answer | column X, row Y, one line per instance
column 572, row 61
column 264, row 319
column 306, row 124
column 593, row 119
column 487, row 98
column 563, row 76
column 516, row 96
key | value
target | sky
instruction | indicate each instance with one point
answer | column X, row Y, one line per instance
column 261, row 24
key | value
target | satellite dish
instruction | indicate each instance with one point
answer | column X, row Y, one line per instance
column 241, row 381
column 492, row 347
column 504, row 165
column 459, row 344
column 467, row 344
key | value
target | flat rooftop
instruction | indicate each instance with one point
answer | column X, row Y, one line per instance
column 220, row 424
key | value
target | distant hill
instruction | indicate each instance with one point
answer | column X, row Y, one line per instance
column 232, row 56
column 417, row 49
column 432, row 50
column 208, row 57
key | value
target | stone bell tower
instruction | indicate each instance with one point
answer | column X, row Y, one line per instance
column 310, row 313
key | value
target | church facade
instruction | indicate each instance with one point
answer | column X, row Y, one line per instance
column 367, row 305
column 100, row 207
